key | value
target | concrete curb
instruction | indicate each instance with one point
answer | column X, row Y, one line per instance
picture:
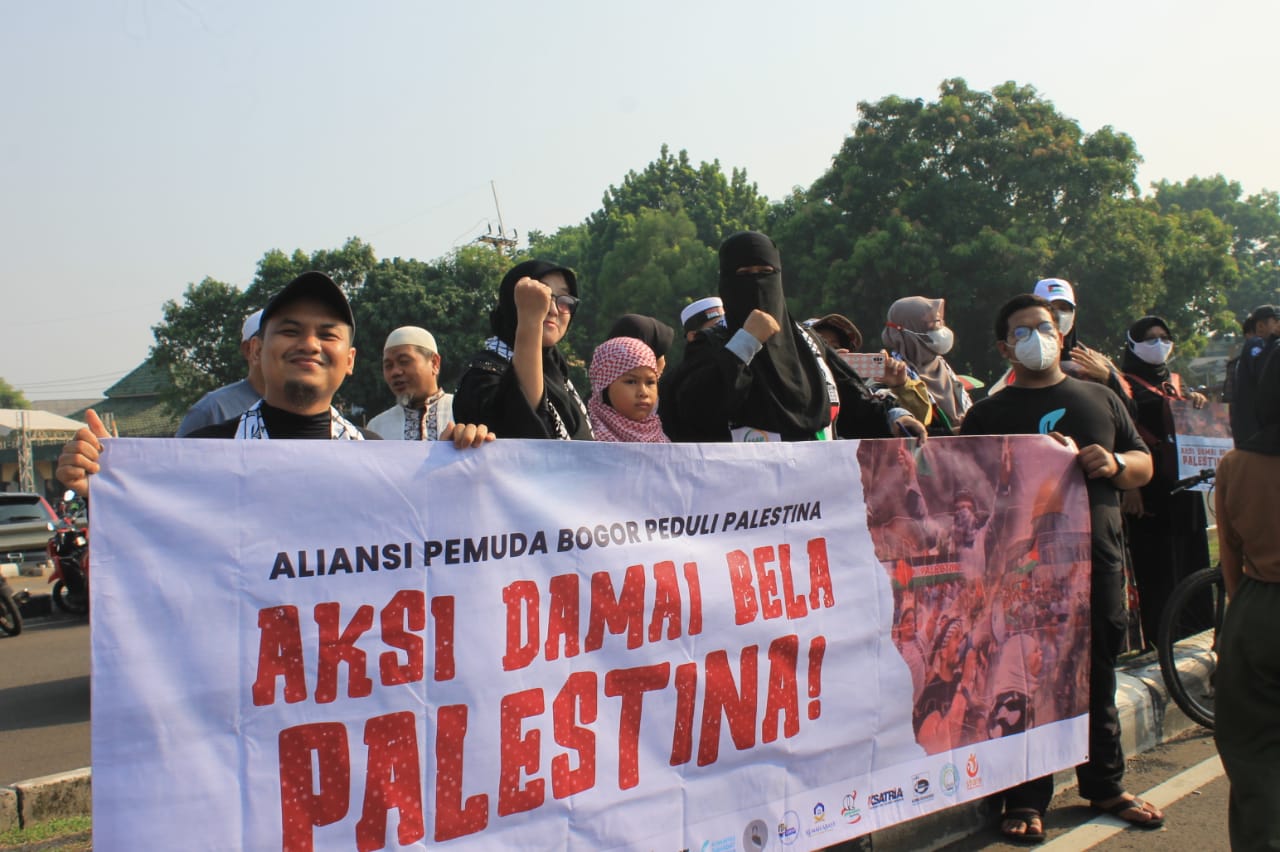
column 50, row 796
column 1147, row 718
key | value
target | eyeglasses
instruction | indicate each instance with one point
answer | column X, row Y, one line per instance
column 567, row 304
column 1023, row 332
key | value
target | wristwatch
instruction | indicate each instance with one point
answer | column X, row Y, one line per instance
column 1121, row 464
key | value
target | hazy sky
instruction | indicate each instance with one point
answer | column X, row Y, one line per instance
column 146, row 144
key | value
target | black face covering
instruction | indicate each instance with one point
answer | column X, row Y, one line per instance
column 787, row 394
column 1267, row 409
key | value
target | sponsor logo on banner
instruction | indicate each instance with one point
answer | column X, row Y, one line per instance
column 727, row 844
column 972, row 769
column 949, row 779
column 754, row 838
column 789, row 828
column 921, row 789
column 850, row 810
column 885, row 797
column 819, row 812
column 820, row 823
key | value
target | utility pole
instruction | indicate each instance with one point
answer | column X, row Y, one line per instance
column 501, row 242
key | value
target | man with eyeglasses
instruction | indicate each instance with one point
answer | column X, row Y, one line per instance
column 1089, row 417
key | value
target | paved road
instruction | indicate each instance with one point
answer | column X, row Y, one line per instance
column 44, row 696
column 1182, row 777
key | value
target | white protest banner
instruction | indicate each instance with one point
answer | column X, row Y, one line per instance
column 552, row 645
column 1203, row 437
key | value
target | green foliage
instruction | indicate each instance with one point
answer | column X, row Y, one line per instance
column 198, row 341
column 11, row 397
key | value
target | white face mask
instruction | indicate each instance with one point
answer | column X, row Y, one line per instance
column 1066, row 321
column 936, row 340
column 1154, row 352
column 1038, row 352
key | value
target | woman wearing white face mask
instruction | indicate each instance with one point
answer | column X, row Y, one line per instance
column 917, row 334
column 1167, row 533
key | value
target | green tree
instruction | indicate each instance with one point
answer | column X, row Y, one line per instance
column 1255, row 233
column 970, row 198
column 11, row 397
column 198, row 341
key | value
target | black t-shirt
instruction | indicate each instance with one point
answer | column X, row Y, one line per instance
column 1086, row 412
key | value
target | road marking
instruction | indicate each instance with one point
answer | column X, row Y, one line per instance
column 1162, row 796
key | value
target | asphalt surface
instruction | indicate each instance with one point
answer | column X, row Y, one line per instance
column 44, row 694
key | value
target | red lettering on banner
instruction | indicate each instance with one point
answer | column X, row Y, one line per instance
column 575, row 702
column 303, row 808
column 745, row 607
column 392, row 780
column 695, row 597
column 519, row 752
column 562, row 616
column 625, row 612
column 453, row 818
column 666, row 602
column 522, row 639
column 686, row 690
column 406, row 605
column 279, row 655
column 442, row 613
column 630, row 685
column 742, row 579
column 336, row 649
column 817, row 648
column 738, row 706
column 782, row 698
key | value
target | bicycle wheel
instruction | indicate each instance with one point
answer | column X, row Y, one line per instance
column 1188, row 644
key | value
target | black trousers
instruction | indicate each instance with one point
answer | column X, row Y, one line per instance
column 1101, row 776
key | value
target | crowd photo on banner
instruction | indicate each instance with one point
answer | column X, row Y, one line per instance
column 1006, row 596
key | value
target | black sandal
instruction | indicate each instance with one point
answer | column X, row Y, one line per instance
column 1026, row 817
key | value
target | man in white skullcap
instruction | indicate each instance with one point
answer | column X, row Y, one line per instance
column 233, row 399
column 411, row 368
column 701, row 314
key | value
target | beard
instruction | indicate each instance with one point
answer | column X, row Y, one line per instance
column 300, row 394
column 409, row 400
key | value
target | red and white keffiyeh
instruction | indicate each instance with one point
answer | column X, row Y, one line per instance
column 613, row 358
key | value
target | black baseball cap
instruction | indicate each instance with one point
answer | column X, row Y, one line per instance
column 317, row 287
column 1264, row 312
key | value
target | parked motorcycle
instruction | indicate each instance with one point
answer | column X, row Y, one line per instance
column 69, row 550
column 10, row 616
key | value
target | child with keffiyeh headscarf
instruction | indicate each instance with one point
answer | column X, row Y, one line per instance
column 624, row 392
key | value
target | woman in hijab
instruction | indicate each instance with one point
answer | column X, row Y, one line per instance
column 917, row 333
column 656, row 334
column 763, row 377
column 519, row 386
column 1248, row 677
column 1167, row 532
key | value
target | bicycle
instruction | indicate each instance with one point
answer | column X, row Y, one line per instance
column 1189, row 627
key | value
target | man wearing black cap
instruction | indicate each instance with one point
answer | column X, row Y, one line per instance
column 1262, row 327
column 305, row 352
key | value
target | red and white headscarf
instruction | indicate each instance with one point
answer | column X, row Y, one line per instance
column 613, row 358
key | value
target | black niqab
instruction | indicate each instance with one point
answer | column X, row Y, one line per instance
column 788, row 394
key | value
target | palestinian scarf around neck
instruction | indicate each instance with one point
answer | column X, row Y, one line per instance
column 253, row 424
column 611, row 360
column 787, row 393
column 914, row 314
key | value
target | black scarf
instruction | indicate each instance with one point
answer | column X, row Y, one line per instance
column 1267, row 409
column 658, row 335
column 555, row 369
column 1153, row 374
column 788, row 394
